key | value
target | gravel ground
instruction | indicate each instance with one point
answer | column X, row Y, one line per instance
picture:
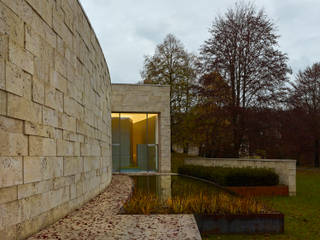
column 100, row 219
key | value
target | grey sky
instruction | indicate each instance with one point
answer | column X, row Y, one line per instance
column 129, row 29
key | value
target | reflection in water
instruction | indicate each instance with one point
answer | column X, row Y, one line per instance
column 158, row 185
column 167, row 186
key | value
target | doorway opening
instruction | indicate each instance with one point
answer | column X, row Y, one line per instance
column 135, row 142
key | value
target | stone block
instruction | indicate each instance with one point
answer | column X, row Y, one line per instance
column 10, row 125
column 4, row 46
column 50, row 117
column 10, row 171
column 91, row 163
column 58, row 81
column 29, row 189
column 73, row 137
column 60, row 64
column 42, row 168
column 60, row 27
column 73, row 191
column 8, row 194
column 12, row 25
column 72, row 165
column 90, row 149
column 8, row 233
column 27, row 86
column 39, row 146
column 2, row 74
column 10, row 214
column 59, row 196
column 38, row 130
column 37, row 91
column 19, row 107
column 66, row 148
column 73, row 108
column 50, row 96
column 59, row 101
column 43, row 8
column 28, row 209
column 3, row 103
column 13, row 144
column 67, row 122
column 21, row 57
column 14, row 79
column 74, row 92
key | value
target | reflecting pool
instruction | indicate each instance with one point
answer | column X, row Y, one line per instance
column 169, row 186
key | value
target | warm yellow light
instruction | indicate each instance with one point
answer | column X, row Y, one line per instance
column 135, row 117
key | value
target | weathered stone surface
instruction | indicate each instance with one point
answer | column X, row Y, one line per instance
column 42, row 168
column 11, row 24
column 40, row 146
column 10, row 171
column 44, row 8
column 58, row 81
column 19, row 107
column 29, row 189
column 13, row 144
column 4, row 47
column 2, row 74
column 14, row 80
column 91, row 163
column 37, row 91
column 10, row 125
column 66, row 148
column 47, row 65
column 50, row 117
column 72, row 165
column 21, row 57
column 67, row 122
column 90, row 149
column 8, row 194
column 38, row 130
column 3, row 103
column 10, row 214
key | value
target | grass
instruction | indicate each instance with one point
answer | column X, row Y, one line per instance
column 302, row 212
column 197, row 203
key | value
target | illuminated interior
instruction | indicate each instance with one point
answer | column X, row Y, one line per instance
column 134, row 142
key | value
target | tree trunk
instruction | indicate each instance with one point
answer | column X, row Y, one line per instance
column 316, row 153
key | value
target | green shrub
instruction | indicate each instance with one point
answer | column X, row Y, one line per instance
column 226, row 176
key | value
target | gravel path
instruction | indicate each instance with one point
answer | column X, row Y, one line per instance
column 99, row 219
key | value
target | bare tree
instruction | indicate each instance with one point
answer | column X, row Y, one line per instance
column 243, row 49
column 305, row 95
column 172, row 65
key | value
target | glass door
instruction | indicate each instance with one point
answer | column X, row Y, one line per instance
column 134, row 142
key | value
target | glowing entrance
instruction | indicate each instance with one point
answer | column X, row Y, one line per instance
column 134, row 142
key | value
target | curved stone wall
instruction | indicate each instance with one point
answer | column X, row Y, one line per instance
column 54, row 114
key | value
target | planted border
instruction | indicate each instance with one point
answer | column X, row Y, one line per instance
column 227, row 176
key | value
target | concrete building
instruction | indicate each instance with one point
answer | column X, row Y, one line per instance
column 55, row 116
column 141, row 128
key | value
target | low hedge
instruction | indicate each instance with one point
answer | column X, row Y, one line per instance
column 227, row 176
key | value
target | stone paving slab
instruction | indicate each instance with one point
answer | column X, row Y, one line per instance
column 100, row 219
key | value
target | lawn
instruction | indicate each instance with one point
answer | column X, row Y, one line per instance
column 302, row 212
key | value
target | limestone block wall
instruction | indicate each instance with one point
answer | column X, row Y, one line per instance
column 144, row 98
column 286, row 169
column 55, row 131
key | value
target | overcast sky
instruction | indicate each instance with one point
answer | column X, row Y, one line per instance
column 129, row 29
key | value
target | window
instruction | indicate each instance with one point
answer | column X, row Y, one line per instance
column 134, row 142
